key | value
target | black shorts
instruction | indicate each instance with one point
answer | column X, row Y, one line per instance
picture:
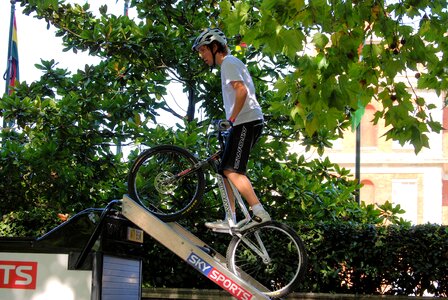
column 238, row 145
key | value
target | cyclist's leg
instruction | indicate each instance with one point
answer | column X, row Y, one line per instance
column 233, row 166
column 230, row 195
column 244, row 186
column 234, row 162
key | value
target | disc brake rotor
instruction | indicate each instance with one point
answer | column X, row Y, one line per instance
column 164, row 183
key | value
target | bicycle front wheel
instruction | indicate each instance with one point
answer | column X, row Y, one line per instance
column 164, row 180
column 272, row 254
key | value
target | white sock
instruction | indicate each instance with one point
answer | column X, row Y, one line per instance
column 257, row 208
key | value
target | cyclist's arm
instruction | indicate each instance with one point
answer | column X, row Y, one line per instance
column 240, row 98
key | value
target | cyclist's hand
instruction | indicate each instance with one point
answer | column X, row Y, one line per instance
column 225, row 124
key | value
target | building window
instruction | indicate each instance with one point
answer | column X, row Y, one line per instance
column 369, row 131
column 444, row 192
column 405, row 193
column 367, row 192
column 445, row 118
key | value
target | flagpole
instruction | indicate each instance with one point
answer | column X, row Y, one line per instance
column 9, row 60
column 6, row 123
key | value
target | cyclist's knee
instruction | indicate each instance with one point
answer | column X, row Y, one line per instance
column 226, row 172
column 229, row 172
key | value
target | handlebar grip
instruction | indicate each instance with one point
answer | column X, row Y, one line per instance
column 224, row 124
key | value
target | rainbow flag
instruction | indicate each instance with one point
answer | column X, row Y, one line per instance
column 126, row 7
column 13, row 57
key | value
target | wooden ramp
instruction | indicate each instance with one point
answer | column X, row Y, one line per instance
column 194, row 251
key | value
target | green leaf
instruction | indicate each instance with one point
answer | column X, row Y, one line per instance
column 320, row 40
column 292, row 41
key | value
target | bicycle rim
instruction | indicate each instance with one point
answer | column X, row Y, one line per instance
column 282, row 270
column 153, row 183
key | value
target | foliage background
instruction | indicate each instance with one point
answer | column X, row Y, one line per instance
column 344, row 258
column 311, row 77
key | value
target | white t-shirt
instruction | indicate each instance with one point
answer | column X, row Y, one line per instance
column 233, row 69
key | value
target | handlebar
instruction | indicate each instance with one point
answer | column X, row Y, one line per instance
column 221, row 130
column 222, row 125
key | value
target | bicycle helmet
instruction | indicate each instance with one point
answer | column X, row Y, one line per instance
column 208, row 36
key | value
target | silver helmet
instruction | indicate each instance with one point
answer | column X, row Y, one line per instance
column 208, row 36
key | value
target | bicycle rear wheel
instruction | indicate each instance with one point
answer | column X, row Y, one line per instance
column 272, row 254
column 160, row 181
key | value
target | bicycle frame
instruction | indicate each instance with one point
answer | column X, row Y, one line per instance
column 234, row 225
column 225, row 197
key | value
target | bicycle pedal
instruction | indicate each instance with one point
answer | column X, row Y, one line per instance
column 223, row 230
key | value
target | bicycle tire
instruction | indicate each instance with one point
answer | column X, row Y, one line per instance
column 288, row 259
column 148, row 182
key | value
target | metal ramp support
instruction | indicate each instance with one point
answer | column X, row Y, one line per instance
column 189, row 248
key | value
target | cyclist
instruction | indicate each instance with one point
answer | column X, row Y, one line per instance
column 245, row 117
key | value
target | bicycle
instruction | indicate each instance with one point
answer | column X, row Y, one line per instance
column 169, row 182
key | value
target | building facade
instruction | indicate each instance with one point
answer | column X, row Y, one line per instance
column 394, row 173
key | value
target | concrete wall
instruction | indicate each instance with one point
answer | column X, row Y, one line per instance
column 219, row 294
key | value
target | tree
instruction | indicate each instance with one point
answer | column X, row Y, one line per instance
column 61, row 156
column 359, row 49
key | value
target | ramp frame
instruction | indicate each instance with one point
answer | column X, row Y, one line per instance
column 191, row 249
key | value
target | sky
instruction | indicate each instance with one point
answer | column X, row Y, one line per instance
column 36, row 42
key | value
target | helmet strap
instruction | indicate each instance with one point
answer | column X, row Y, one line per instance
column 214, row 56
